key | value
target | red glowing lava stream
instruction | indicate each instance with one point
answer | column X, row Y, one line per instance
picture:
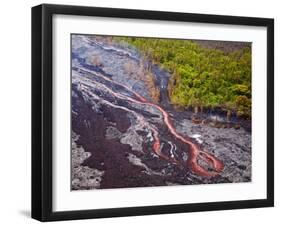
column 195, row 153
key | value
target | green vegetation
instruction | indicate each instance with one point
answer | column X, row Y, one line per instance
column 201, row 77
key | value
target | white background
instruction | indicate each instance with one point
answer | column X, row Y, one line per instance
column 15, row 112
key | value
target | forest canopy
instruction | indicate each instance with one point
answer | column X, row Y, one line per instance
column 201, row 76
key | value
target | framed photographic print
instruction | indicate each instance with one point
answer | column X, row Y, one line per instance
column 146, row 112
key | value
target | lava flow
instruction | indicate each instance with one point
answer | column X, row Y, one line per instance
column 195, row 152
column 215, row 166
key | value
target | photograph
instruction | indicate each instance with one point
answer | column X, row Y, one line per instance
column 149, row 111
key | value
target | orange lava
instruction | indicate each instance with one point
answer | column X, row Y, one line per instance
column 215, row 166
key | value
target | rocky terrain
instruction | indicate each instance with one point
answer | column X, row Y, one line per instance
column 123, row 137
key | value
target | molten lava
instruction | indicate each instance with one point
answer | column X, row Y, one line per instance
column 215, row 166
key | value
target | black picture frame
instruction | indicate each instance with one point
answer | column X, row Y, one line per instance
column 42, row 108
